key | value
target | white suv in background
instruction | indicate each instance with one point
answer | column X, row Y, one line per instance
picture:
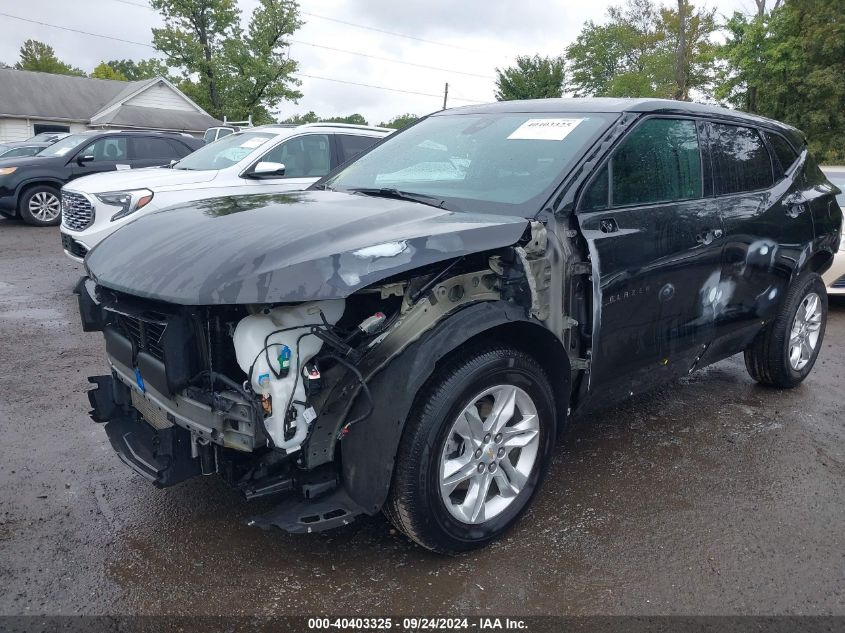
column 264, row 159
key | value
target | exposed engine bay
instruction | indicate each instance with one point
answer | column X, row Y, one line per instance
column 287, row 397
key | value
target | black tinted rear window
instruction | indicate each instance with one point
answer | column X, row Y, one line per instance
column 740, row 160
column 783, row 150
column 351, row 146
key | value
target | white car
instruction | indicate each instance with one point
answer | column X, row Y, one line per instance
column 265, row 159
column 834, row 278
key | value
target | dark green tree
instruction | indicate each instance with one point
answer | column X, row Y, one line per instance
column 226, row 69
column 644, row 51
column 789, row 65
column 142, row 69
column 531, row 78
column 104, row 71
column 301, row 119
column 41, row 57
column 400, row 121
column 355, row 119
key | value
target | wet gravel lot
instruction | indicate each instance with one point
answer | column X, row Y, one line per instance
column 710, row 496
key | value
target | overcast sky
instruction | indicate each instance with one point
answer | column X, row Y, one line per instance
column 463, row 36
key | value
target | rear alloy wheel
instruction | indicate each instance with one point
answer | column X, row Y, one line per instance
column 474, row 450
column 804, row 336
column 785, row 351
column 41, row 206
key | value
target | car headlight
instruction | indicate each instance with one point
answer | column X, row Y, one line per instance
column 5, row 171
column 127, row 201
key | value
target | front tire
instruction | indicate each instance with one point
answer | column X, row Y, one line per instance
column 474, row 450
column 784, row 353
column 41, row 206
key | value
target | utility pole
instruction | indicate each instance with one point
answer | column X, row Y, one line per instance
column 445, row 94
column 680, row 55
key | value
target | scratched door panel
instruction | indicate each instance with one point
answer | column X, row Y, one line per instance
column 654, row 261
column 767, row 225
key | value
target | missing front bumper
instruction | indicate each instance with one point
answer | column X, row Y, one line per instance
column 160, row 455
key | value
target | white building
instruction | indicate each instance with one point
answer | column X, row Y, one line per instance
column 32, row 102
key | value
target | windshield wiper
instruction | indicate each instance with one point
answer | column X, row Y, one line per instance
column 388, row 192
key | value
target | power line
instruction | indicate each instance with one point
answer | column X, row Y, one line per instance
column 66, row 28
column 357, row 26
column 355, row 83
column 136, row 4
column 394, row 61
column 118, row 39
column 348, row 52
column 393, row 33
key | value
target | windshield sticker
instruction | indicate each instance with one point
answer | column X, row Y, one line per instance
column 545, row 129
column 252, row 143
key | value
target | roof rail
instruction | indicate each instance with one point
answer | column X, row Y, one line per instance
column 348, row 126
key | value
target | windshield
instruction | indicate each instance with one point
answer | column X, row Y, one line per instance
column 497, row 162
column 28, row 150
column 224, row 152
column 46, row 137
column 65, row 146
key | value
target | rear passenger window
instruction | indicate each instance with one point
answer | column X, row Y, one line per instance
column 740, row 160
column 150, row 148
column 659, row 161
column 783, row 150
column 351, row 146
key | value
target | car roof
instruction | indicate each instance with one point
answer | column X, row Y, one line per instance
column 287, row 128
column 617, row 106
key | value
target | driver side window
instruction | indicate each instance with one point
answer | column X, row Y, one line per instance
column 110, row 148
column 659, row 161
column 305, row 156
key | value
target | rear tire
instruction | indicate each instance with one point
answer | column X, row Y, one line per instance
column 40, row 206
column 784, row 353
column 485, row 422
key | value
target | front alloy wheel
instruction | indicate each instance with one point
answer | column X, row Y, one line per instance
column 489, row 453
column 40, row 206
column 474, row 449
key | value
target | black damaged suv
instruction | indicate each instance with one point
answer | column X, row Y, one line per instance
column 411, row 333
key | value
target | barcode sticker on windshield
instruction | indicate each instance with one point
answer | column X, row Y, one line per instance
column 545, row 129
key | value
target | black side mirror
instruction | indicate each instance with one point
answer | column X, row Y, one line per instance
column 81, row 160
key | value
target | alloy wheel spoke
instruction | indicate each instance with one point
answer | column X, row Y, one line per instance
column 506, row 488
column 456, row 471
column 504, row 405
column 810, row 308
column 473, row 504
column 470, row 427
column 516, row 478
column 520, row 434
column 806, row 350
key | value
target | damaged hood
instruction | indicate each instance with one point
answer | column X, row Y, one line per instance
column 289, row 247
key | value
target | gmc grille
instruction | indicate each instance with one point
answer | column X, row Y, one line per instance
column 77, row 212
column 839, row 283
